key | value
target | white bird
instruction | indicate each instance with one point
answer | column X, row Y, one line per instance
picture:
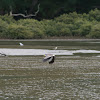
column 50, row 58
column 21, row 44
column 55, row 48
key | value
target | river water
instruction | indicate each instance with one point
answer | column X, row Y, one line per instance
column 75, row 74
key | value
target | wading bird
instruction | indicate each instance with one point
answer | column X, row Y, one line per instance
column 2, row 54
column 55, row 48
column 50, row 58
column 21, row 44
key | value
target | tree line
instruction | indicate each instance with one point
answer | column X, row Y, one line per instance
column 68, row 25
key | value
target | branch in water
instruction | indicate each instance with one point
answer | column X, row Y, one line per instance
column 30, row 15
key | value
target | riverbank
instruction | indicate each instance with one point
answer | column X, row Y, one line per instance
column 50, row 39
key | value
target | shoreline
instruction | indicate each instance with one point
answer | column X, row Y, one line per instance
column 61, row 39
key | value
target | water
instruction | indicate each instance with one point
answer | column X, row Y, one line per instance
column 23, row 75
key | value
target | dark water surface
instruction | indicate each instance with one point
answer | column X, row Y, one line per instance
column 71, row 77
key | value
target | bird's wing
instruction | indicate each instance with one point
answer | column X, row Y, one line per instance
column 52, row 60
column 46, row 58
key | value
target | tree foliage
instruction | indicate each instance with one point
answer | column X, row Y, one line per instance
column 66, row 25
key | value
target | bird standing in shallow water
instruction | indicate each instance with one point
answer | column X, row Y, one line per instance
column 21, row 44
column 55, row 48
column 50, row 58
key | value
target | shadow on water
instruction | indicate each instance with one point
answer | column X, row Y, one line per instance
column 75, row 77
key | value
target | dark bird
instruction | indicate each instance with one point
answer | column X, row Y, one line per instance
column 50, row 58
column 2, row 54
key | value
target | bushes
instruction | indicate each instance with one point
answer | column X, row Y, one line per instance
column 18, row 32
column 7, row 19
column 3, row 28
column 53, row 28
column 82, row 25
column 82, row 28
column 68, row 18
column 95, row 31
column 34, row 26
column 94, row 15
column 66, row 25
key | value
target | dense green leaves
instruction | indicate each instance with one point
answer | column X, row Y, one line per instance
column 66, row 25
column 95, row 31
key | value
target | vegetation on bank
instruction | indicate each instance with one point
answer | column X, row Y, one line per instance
column 66, row 25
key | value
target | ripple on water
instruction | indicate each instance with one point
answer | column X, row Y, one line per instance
column 69, row 77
